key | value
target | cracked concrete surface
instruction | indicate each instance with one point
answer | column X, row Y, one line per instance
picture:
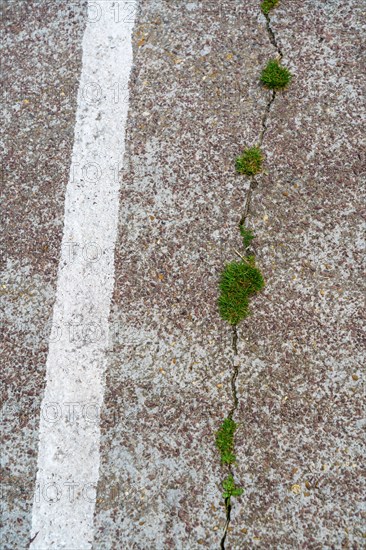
column 196, row 102
column 181, row 203
column 191, row 522
column 300, row 385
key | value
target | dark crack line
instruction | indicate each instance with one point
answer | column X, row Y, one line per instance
column 272, row 36
column 234, row 377
column 273, row 40
column 33, row 538
column 253, row 184
column 228, row 514
column 242, row 222
column 265, row 117
column 235, row 374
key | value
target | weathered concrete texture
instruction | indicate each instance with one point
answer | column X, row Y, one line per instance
column 40, row 68
column 195, row 103
column 300, row 386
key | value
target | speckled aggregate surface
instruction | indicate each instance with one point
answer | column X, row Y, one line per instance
column 195, row 102
column 40, row 69
column 193, row 105
column 301, row 379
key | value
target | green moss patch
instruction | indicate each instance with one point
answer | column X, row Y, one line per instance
column 238, row 282
column 230, row 489
column 274, row 76
column 225, row 441
column 250, row 162
column 247, row 235
column 267, row 5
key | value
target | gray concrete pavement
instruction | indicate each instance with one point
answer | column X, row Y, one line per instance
column 40, row 69
column 195, row 101
column 301, row 381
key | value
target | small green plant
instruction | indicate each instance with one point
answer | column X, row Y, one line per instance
column 225, row 441
column 274, row 76
column 225, row 444
column 230, row 489
column 238, row 282
column 247, row 235
column 267, row 5
column 250, row 162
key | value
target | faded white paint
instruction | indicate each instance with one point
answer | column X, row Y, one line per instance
column 68, row 459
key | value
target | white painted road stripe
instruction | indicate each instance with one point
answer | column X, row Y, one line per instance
column 68, row 459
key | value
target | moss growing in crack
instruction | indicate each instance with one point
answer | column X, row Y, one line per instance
column 225, row 441
column 267, row 5
column 230, row 489
column 250, row 162
column 247, row 235
column 274, row 76
column 238, row 282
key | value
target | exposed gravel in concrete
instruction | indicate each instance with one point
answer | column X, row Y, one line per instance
column 180, row 207
column 195, row 102
column 301, row 386
column 40, row 67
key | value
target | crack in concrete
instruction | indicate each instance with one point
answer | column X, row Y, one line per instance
column 273, row 40
column 272, row 36
column 265, row 117
column 235, row 337
column 228, row 514
column 230, row 415
column 235, row 373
